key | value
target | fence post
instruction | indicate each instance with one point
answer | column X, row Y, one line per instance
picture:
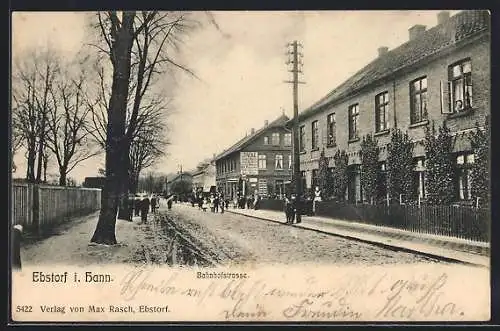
column 36, row 208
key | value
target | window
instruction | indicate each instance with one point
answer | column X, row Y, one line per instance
column 315, row 135
column 419, row 178
column 276, row 138
column 288, row 139
column 330, row 122
column 262, row 161
column 290, row 161
column 463, row 168
column 266, row 140
column 302, row 138
column 279, row 162
column 461, row 86
column 418, row 100
column 381, row 110
column 353, row 121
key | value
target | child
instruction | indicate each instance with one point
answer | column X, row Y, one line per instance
column 204, row 206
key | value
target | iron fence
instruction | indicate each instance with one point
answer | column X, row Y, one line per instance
column 464, row 222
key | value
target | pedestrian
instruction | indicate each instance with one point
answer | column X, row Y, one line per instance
column 256, row 202
column 221, row 204
column 227, row 204
column 211, row 203
column 317, row 198
column 200, row 201
column 204, row 205
column 131, row 206
column 288, row 210
column 17, row 233
column 169, row 203
column 153, row 203
column 137, row 206
column 216, row 203
column 144, row 209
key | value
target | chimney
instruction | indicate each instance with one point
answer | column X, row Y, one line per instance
column 252, row 131
column 382, row 50
column 443, row 16
column 266, row 123
column 416, row 31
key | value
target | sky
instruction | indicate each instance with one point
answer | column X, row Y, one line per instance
column 241, row 69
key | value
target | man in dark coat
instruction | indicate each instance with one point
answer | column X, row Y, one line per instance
column 131, row 206
column 144, row 209
column 153, row 204
column 17, row 232
column 137, row 206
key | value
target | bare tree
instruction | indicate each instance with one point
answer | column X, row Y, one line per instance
column 32, row 80
column 119, row 36
column 148, row 145
column 142, row 40
column 67, row 137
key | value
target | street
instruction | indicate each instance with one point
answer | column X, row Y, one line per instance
column 234, row 239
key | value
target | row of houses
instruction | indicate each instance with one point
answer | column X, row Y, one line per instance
column 441, row 74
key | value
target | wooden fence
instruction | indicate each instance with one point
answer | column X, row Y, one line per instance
column 454, row 221
column 37, row 207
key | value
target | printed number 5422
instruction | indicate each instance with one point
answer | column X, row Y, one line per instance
column 24, row 309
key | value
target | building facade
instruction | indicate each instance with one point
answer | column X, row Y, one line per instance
column 185, row 177
column 204, row 176
column 260, row 163
column 440, row 75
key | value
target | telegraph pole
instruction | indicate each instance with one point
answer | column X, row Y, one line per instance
column 294, row 59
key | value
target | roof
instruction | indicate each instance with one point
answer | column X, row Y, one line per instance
column 279, row 122
column 177, row 176
column 458, row 27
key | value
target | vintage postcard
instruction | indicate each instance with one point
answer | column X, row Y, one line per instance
column 250, row 166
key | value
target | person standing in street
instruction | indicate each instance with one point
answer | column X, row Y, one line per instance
column 144, row 209
column 153, row 203
column 131, row 206
column 216, row 202
column 288, row 210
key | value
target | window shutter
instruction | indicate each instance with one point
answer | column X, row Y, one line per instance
column 445, row 97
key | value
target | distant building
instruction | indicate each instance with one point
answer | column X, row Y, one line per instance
column 439, row 74
column 94, row 182
column 204, row 176
column 184, row 176
column 259, row 163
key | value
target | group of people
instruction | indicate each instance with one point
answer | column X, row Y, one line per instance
column 304, row 205
column 248, row 202
column 215, row 202
column 141, row 206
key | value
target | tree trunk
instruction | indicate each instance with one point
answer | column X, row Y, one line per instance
column 41, row 147
column 62, row 177
column 30, row 169
column 112, row 191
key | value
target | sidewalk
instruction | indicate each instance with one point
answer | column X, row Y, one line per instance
column 442, row 247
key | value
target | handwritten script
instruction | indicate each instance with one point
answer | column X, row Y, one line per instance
column 360, row 297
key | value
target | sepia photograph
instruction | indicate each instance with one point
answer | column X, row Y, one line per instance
column 250, row 166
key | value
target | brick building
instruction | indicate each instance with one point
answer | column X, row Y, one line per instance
column 258, row 163
column 439, row 74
